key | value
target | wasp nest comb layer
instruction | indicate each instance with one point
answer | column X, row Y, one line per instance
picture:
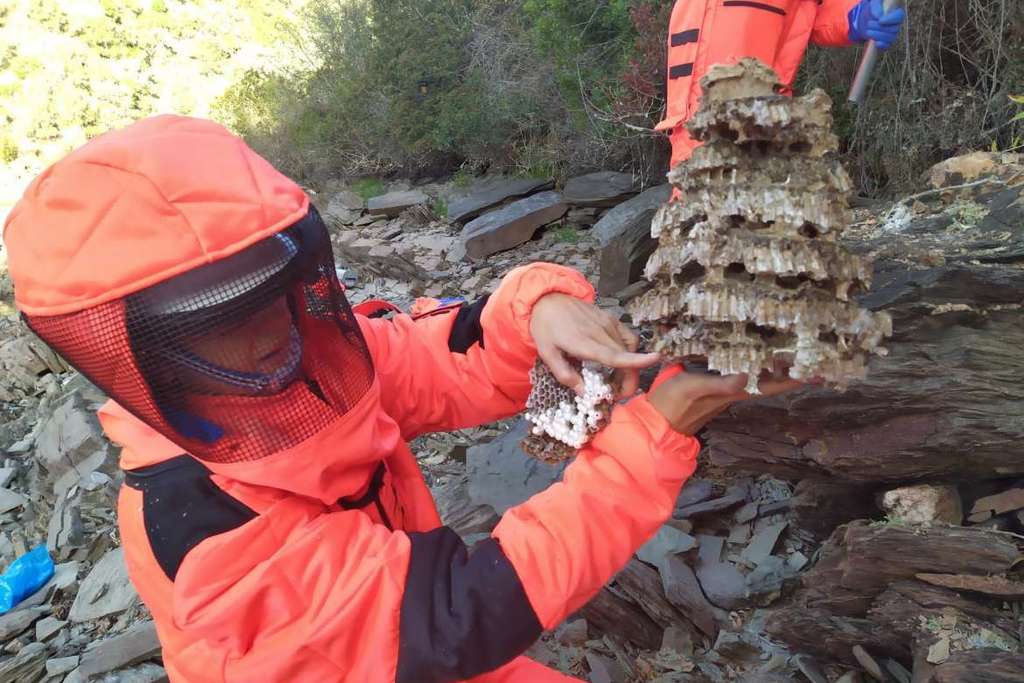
column 562, row 420
column 749, row 272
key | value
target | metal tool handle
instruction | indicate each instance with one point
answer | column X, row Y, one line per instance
column 868, row 60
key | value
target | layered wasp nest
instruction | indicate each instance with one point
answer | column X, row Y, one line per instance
column 749, row 273
column 563, row 421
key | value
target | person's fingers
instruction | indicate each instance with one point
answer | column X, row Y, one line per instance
column 629, row 382
column 614, row 358
column 774, row 387
column 560, row 368
column 728, row 385
column 628, row 336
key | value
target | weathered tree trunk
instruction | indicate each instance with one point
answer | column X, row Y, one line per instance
column 863, row 590
column 949, row 399
column 612, row 614
column 981, row 666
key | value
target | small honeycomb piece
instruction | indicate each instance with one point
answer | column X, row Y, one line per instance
column 749, row 273
column 562, row 421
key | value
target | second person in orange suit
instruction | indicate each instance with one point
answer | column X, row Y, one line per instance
column 703, row 33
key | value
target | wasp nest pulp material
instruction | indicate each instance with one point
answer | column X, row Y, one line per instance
column 563, row 421
column 749, row 272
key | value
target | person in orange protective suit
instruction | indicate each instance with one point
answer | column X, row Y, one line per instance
column 777, row 32
column 273, row 519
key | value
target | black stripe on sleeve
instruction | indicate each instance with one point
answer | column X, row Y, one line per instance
column 182, row 507
column 754, row 5
column 462, row 614
column 685, row 37
column 680, row 70
column 466, row 330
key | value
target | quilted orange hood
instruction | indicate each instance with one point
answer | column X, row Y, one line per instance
column 118, row 215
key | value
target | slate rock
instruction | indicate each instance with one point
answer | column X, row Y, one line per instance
column 683, row 590
column 604, row 669
column 345, row 208
column 810, row 668
column 763, row 544
column 11, row 500
column 695, row 491
column 6, row 475
column 26, row 666
column 491, row 192
column 679, row 640
column 511, row 225
column 143, row 673
column 721, row 582
column 134, row 645
column 617, row 219
column 457, row 510
column 48, row 627
column 764, row 583
column 869, row 663
column 667, row 541
column 502, row 475
column 106, row 590
column 61, row 665
column 66, row 530
column 16, row 621
column 734, row 495
column 394, row 203
column 71, row 443
column 347, row 199
column 603, row 188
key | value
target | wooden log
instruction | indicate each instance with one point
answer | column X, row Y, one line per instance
column 929, row 597
column 898, row 613
column 995, row 586
column 822, row 634
column 878, row 555
column 981, row 666
column 611, row 613
column 948, row 401
column 642, row 584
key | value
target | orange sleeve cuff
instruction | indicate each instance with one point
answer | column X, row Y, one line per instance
column 513, row 301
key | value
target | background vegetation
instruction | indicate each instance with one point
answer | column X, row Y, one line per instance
column 373, row 88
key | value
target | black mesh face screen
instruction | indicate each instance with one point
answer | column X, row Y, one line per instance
column 235, row 360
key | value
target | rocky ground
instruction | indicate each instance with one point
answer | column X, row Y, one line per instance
column 866, row 536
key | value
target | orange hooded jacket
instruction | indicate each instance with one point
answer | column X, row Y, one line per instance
column 327, row 561
column 702, row 34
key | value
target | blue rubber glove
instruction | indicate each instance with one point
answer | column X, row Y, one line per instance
column 868, row 21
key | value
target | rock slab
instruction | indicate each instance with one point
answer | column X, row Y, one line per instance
column 502, row 475
column 616, row 220
column 490, row 193
column 394, row 203
column 106, row 590
column 511, row 225
column 134, row 645
column 603, row 188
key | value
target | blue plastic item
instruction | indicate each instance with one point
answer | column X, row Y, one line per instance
column 25, row 576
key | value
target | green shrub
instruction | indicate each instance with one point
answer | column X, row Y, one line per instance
column 367, row 188
column 440, row 207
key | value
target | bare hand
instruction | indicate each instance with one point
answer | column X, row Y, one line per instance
column 690, row 401
column 562, row 325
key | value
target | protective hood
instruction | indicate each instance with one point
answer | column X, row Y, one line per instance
column 220, row 324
